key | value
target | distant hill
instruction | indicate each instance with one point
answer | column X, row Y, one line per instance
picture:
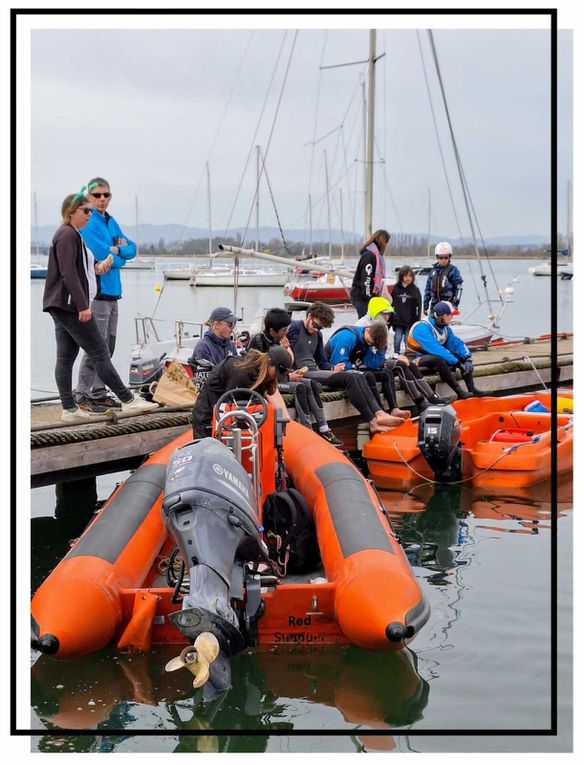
column 174, row 232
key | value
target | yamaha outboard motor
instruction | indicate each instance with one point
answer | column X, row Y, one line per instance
column 439, row 432
column 210, row 509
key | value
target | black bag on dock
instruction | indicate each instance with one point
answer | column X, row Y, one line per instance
column 290, row 532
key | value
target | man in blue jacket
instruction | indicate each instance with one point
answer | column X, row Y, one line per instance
column 106, row 240
column 433, row 345
column 444, row 281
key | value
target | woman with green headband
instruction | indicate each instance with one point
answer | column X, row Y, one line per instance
column 69, row 289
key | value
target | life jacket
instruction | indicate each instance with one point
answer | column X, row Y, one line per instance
column 441, row 286
column 412, row 344
column 356, row 355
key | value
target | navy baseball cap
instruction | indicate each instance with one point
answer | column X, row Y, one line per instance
column 442, row 308
column 223, row 314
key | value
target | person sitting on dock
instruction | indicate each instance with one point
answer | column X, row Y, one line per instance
column 370, row 272
column 432, row 345
column 69, row 291
column 378, row 309
column 216, row 344
column 306, row 341
column 444, row 281
column 363, row 348
column 306, row 392
column 257, row 371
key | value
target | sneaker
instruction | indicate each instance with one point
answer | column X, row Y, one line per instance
column 329, row 436
column 94, row 407
column 109, row 402
column 138, row 405
column 75, row 415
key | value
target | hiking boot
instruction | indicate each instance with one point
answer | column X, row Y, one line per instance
column 75, row 415
column 138, row 405
column 329, row 436
column 94, row 407
column 109, row 402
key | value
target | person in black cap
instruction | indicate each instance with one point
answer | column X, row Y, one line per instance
column 307, row 400
column 216, row 344
column 257, row 371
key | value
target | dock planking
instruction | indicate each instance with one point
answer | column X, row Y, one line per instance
column 62, row 453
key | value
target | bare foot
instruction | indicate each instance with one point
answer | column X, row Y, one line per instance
column 375, row 427
column 403, row 413
column 387, row 419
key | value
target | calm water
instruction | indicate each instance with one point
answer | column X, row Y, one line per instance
column 481, row 662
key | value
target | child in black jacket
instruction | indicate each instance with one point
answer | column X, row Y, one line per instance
column 407, row 305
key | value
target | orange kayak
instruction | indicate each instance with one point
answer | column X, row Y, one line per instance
column 502, row 444
column 110, row 587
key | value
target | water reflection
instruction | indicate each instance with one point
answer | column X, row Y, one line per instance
column 111, row 691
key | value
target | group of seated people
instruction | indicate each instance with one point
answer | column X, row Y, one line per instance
column 290, row 356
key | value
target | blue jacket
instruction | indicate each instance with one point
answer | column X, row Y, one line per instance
column 99, row 236
column 443, row 283
column 212, row 348
column 345, row 341
column 425, row 338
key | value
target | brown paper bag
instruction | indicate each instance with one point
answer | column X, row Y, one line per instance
column 175, row 387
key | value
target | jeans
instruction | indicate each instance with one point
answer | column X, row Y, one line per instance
column 399, row 334
column 89, row 384
column 71, row 335
column 360, row 307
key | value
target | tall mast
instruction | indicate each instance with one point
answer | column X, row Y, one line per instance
column 364, row 95
column 328, row 204
column 257, row 241
column 429, row 214
column 342, row 234
column 137, row 225
column 569, row 218
column 36, row 222
column 209, row 210
column 370, row 138
column 310, row 222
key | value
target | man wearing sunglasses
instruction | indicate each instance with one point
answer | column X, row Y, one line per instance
column 444, row 281
column 104, row 237
column 216, row 343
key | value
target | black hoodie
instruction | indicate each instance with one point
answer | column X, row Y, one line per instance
column 407, row 304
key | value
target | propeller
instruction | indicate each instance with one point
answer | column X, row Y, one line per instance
column 197, row 658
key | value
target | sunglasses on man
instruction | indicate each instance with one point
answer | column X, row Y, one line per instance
column 100, row 194
column 316, row 325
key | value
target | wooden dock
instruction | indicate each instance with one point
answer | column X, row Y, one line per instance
column 110, row 444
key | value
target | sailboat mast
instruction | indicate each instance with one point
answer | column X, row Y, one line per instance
column 370, row 132
column 257, row 241
column 137, row 225
column 429, row 215
column 363, row 93
column 310, row 222
column 569, row 218
column 209, row 210
column 36, row 222
column 342, row 234
column 328, row 204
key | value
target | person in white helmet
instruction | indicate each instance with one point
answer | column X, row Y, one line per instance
column 445, row 281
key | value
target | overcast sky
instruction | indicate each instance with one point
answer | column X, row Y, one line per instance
column 148, row 109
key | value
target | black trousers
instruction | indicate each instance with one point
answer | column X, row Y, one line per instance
column 441, row 367
column 361, row 389
column 71, row 335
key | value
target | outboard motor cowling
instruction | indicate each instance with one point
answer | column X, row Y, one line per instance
column 439, row 432
column 209, row 508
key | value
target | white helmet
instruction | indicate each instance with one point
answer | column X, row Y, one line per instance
column 443, row 248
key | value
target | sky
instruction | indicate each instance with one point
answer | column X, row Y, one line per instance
column 147, row 109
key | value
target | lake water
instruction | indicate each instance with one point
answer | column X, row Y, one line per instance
column 481, row 663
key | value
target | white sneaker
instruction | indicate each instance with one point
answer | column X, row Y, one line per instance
column 76, row 415
column 138, row 405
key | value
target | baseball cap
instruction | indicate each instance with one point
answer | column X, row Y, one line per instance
column 223, row 314
column 442, row 308
column 280, row 358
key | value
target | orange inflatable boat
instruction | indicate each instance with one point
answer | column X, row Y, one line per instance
column 489, row 441
column 180, row 549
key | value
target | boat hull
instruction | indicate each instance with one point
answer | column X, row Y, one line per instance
column 487, row 460
column 368, row 597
